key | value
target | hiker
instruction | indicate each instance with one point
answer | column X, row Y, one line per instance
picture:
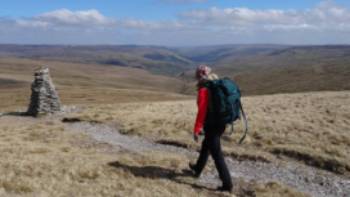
column 212, row 129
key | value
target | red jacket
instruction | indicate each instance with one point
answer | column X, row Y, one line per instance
column 202, row 103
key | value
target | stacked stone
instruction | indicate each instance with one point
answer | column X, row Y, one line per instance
column 44, row 98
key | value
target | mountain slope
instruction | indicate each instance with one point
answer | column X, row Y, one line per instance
column 214, row 54
column 294, row 69
column 158, row 60
column 286, row 69
column 259, row 69
column 85, row 83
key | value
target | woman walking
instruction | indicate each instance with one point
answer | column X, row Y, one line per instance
column 206, row 122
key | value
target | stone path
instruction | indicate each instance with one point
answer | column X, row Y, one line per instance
column 306, row 179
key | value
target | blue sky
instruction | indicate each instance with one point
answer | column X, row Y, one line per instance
column 175, row 22
column 145, row 9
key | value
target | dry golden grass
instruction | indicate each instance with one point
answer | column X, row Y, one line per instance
column 270, row 189
column 309, row 127
column 87, row 75
column 84, row 83
column 42, row 159
column 39, row 157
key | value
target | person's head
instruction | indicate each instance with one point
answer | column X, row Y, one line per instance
column 204, row 73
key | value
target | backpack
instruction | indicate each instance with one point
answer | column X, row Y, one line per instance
column 226, row 103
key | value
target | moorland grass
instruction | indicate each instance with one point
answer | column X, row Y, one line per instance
column 307, row 127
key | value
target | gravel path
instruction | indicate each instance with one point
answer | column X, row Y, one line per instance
column 306, row 179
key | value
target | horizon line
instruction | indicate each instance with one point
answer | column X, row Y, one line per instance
column 171, row 46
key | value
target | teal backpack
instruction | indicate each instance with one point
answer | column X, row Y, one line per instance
column 226, row 103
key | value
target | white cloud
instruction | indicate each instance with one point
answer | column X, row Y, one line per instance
column 32, row 23
column 325, row 23
column 150, row 25
column 67, row 18
column 325, row 16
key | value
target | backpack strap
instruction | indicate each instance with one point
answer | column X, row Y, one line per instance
column 207, row 84
column 245, row 124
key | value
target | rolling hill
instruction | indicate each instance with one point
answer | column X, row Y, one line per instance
column 215, row 54
column 285, row 69
column 159, row 60
column 295, row 69
column 84, row 83
column 107, row 91
column 259, row 69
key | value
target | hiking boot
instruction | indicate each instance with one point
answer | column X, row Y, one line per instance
column 224, row 189
column 194, row 170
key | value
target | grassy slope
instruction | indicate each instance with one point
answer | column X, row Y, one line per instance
column 298, row 69
column 281, row 69
column 259, row 69
column 214, row 54
column 84, row 83
column 297, row 126
column 158, row 60
column 284, row 125
column 41, row 157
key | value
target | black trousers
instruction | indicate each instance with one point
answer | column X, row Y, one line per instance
column 211, row 144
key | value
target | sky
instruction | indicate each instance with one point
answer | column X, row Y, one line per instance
column 175, row 22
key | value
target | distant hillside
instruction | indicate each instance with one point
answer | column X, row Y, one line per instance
column 214, row 54
column 259, row 69
column 159, row 60
column 295, row 69
column 85, row 83
column 286, row 69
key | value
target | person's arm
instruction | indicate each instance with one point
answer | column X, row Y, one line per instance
column 202, row 102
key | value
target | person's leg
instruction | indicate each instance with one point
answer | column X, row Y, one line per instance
column 203, row 157
column 216, row 152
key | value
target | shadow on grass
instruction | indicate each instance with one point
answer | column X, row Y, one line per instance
column 156, row 172
column 173, row 143
column 78, row 120
column 15, row 114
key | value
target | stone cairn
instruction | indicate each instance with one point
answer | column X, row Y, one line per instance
column 44, row 97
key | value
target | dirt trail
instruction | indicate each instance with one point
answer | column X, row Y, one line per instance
column 306, row 179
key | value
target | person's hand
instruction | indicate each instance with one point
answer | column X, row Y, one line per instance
column 195, row 137
column 201, row 132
